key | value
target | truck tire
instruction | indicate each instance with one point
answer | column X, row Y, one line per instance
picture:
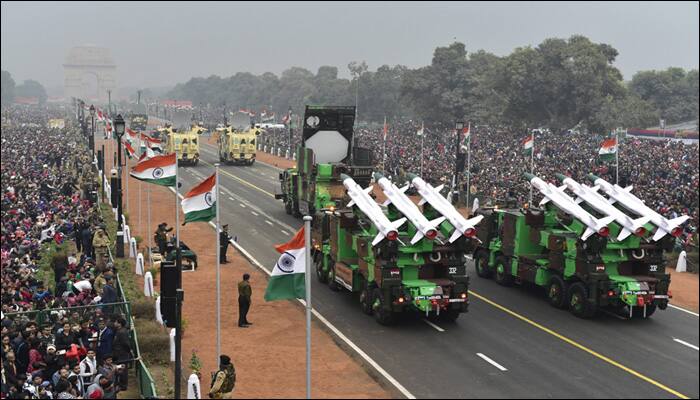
column 332, row 284
column 502, row 273
column 481, row 264
column 382, row 316
column 450, row 315
column 320, row 274
column 638, row 312
column 578, row 305
column 556, row 292
column 366, row 299
column 252, row 162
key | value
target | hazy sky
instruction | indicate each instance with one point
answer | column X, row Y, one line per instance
column 158, row 44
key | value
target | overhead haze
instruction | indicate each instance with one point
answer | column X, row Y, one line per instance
column 161, row 44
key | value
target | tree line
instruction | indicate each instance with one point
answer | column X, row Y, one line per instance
column 28, row 88
column 559, row 84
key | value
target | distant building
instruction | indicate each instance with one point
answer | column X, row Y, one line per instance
column 89, row 73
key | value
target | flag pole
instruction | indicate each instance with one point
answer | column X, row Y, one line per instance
column 179, row 293
column 218, row 267
column 148, row 233
column 469, row 162
column 422, row 141
column 307, row 282
column 532, row 164
column 126, row 159
column 617, row 159
column 384, row 147
column 139, row 189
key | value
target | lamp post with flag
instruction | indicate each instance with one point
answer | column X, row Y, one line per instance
column 119, row 127
column 459, row 125
column 92, row 130
column 468, row 139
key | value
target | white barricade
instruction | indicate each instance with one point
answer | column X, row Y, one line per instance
column 132, row 248
column 194, row 391
column 139, row 264
column 682, row 264
column 172, row 345
column 127, row 234
column 159, row 316
column 148, row 284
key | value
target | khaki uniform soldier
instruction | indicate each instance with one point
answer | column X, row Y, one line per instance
column 244, row 294
column 224, row 380
column 101, row 243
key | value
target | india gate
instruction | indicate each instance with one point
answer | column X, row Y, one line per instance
column 89, row 73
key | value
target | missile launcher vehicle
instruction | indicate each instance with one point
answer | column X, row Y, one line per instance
column 397, row 257
column 585, row 253
column 236, row 143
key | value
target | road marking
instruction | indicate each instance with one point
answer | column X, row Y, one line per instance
column 684, row 343
column 490, row 361
column 285, row 232
column 581, row 347
column 254, row 213
column 331, row 327
column 242, row 205
column 684, row 310
column 434, row 326
column 231, row 198
column 243, row 181
column 267, row 221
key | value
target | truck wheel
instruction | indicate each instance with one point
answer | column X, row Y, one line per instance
column 578, row 303
column 252, row 162
column 481, row 264
column 320, row 274
column 556, row 292
column 332, row 284
column 638, row 312
column 450, row 315
column 503, row 276
column 382, row 316
column 366, row 300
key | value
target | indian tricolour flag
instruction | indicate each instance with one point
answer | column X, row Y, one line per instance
column 608, row 149
column 159, row 170
column 528, row 144
column 199, row 204
column 287, row 279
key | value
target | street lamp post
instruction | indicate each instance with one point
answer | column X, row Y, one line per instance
column 92, row 133
column 459, row 125
column 119, row 127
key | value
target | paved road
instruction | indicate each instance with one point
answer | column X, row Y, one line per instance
column 545, row 352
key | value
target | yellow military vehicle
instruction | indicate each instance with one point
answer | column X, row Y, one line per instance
column 185, row 144
column 237, row 143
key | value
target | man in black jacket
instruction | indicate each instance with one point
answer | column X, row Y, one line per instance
column 121, row 350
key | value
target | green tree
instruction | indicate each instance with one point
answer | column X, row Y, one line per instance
column 30, row 88
column 8, row 88
column 673, row 92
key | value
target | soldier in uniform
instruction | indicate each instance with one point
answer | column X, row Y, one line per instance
column 223, row 244
column 244, row 294
column 162, row 237
column 224, row 380
column 101, row 243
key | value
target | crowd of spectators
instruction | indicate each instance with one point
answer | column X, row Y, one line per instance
column 663, row 173
column 62, row 334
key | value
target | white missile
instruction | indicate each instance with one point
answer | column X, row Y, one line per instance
column 360, row 197
column 397, row 197
column 433, row 197
column 569, row 206
column 600, row 204
column 636, row 205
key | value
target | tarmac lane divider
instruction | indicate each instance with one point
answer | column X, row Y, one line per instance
column 684, row 343
column 580, row 346
column 490, row 361
column 366, row 358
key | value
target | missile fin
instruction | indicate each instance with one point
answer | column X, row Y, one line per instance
column 405, row 188
column 544, row 201
column 562, row 187
column 418, row 236
column 611, row 201
column 578, row 200
column 587, row 233
column 639, row 222
column 595, row 188
column 368, row 189
column 475, row 220
column 659, row 234
column 397, row 224
column 439, row 187
column 628, row 189
column 624, row 233
column 678, row 221
column 437, row 221
column 351, row 203
column 605, row 221
column 377, row 239
column 386, row 202
column 455, row 235
column 421, row 202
